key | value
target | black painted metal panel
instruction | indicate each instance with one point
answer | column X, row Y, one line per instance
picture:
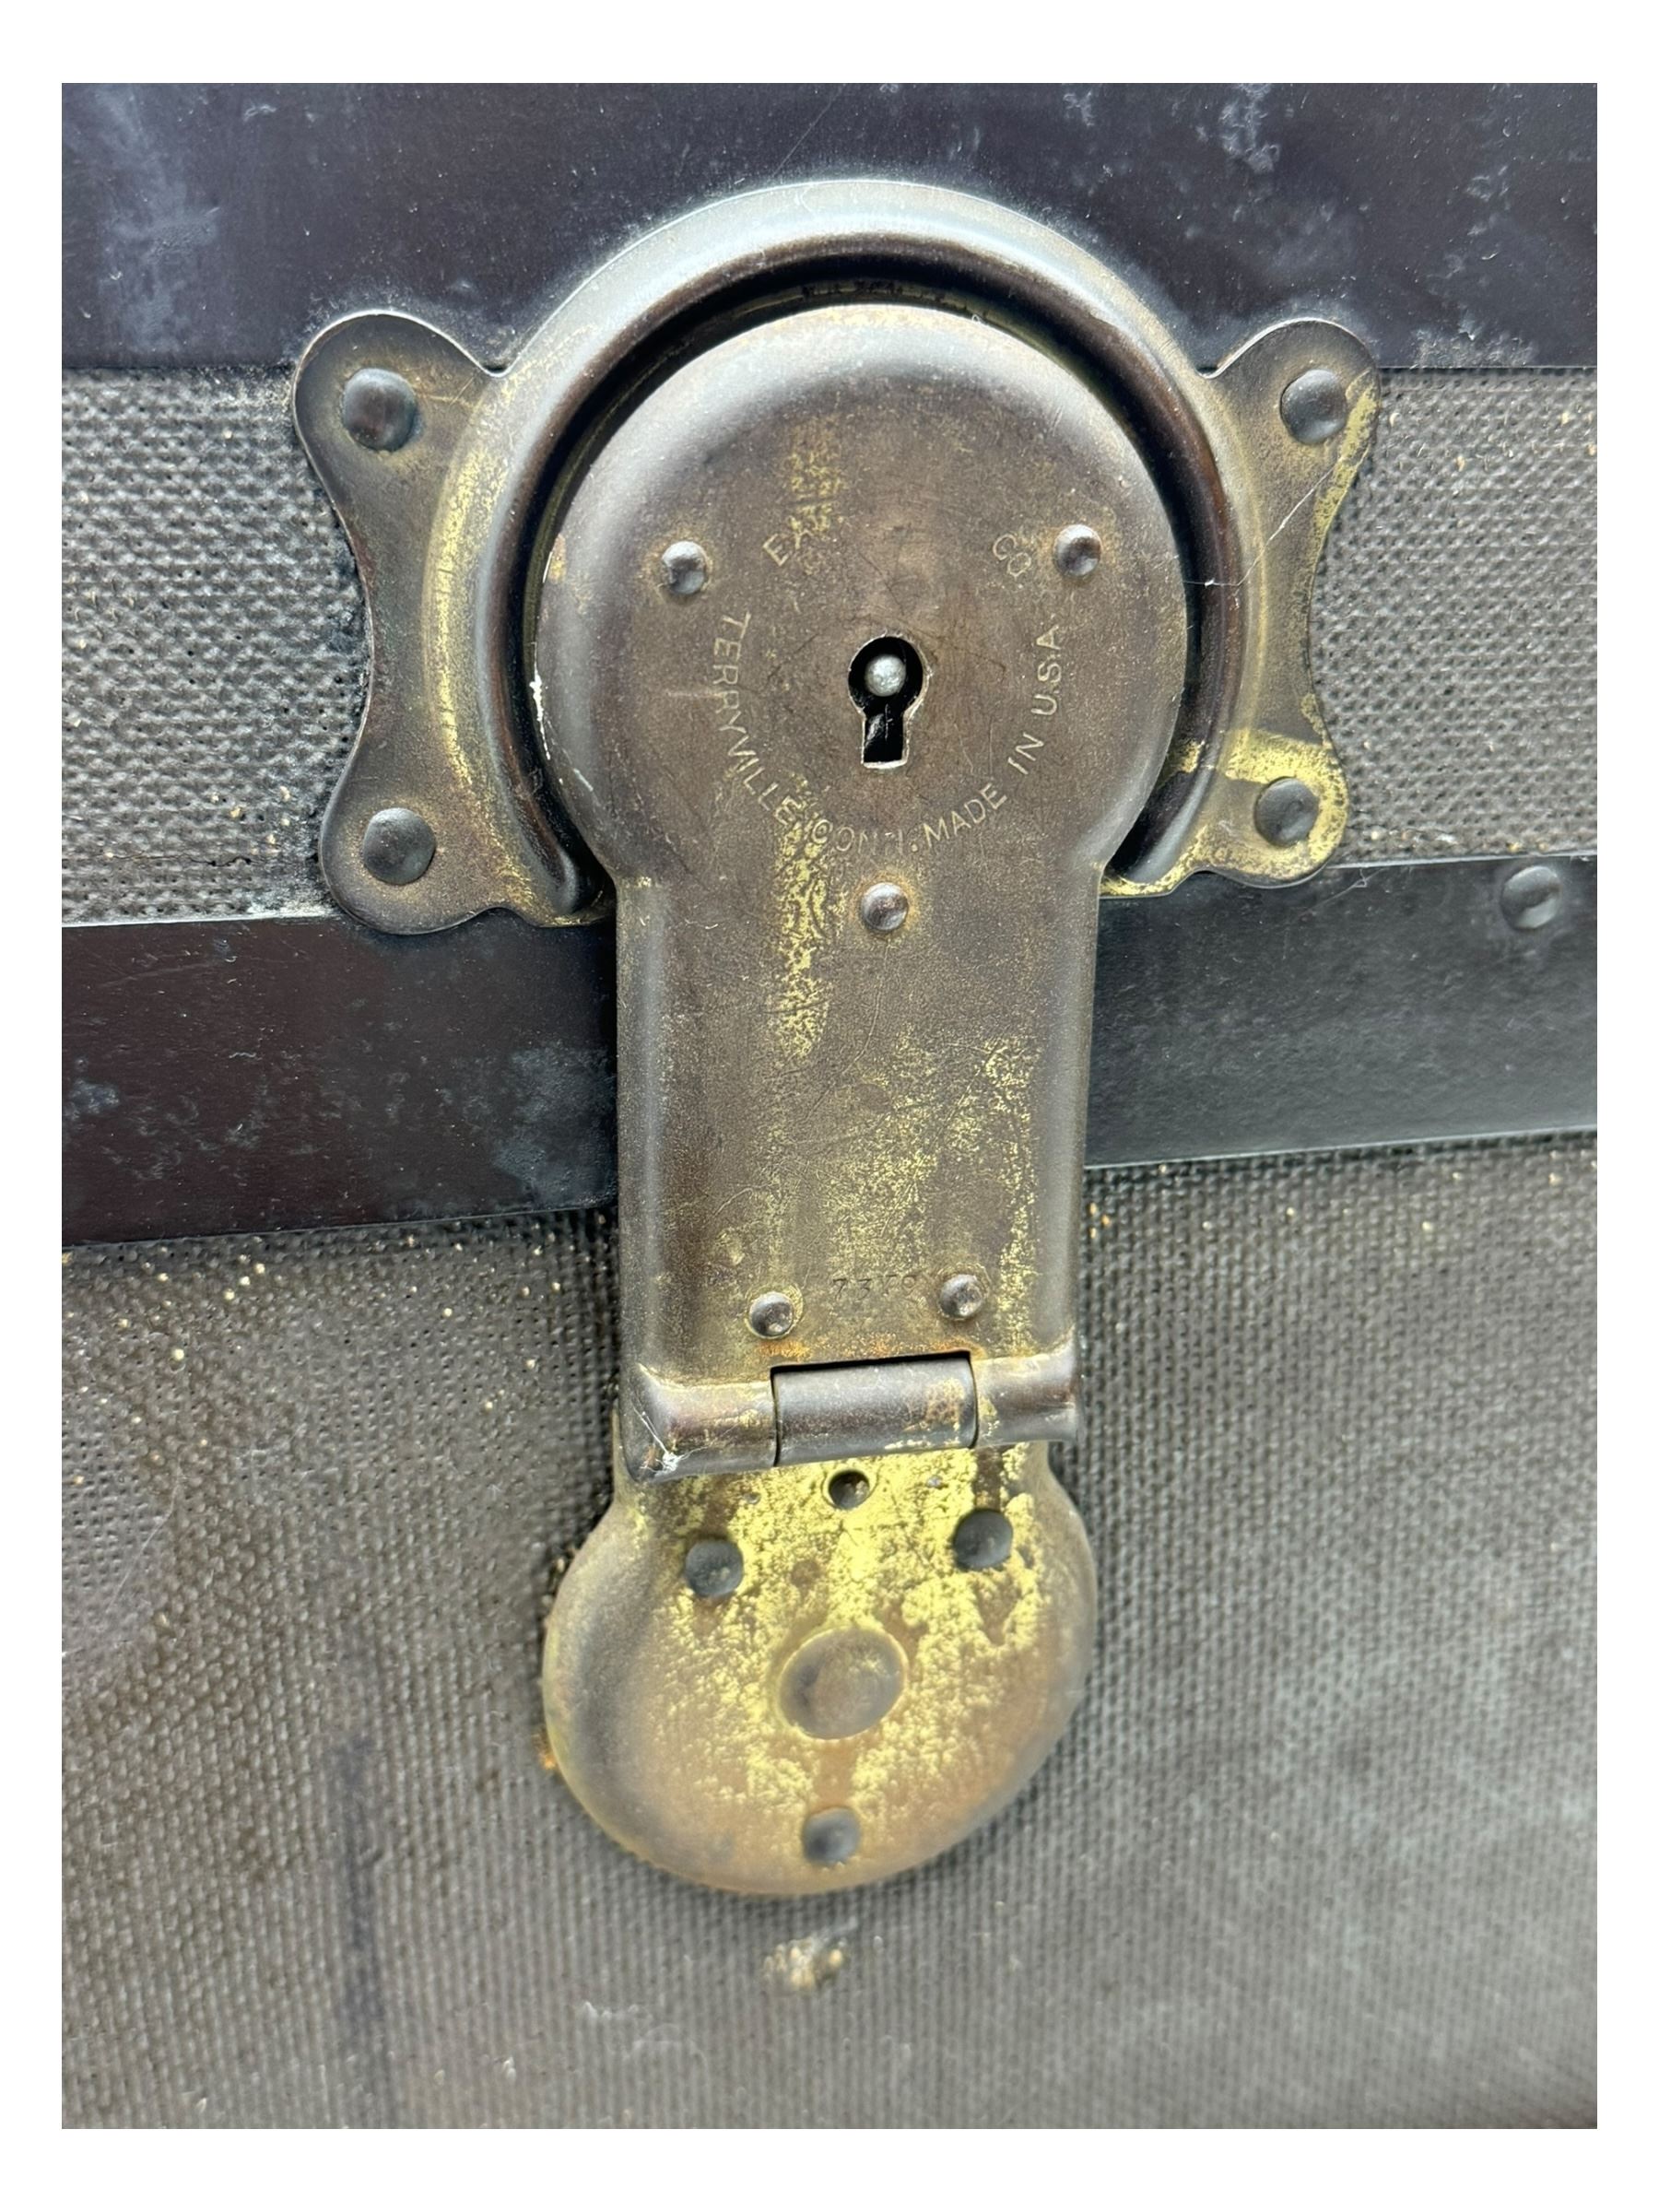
column 1372, row 1006
column 293, row 1073
column 1451, row 225
column 236, row 1076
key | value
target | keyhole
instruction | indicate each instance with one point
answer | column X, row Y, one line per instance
column 885, row 681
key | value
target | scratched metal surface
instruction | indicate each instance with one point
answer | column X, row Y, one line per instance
column 1316, row 1852
column 214, row 663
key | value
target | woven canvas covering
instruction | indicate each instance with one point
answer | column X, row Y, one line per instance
column 1316, row 1852
column 214, row 659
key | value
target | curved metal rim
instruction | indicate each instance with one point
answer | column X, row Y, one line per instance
column 789, row 236
column 778, row 244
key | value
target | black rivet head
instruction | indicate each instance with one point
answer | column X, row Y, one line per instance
column 841, row 1683
column 1532, row 896
column 1314, row 406
column 883, row 908
column 773, row 1314
column 379, row 408
column 399, row 845
column 1077, row 551
column 685, row 569
column 714, row 1567
column 983, row 1538
column 1286, row 811
column 831, row 1838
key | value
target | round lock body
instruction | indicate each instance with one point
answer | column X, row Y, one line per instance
column 891, row 643
column 937, row 364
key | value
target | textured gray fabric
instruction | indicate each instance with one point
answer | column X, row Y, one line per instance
column 214, row 661
column 214, row 656
column 1316, row 1852
column 1454, row 619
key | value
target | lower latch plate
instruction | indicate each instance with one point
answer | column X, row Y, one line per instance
column 816, row 1677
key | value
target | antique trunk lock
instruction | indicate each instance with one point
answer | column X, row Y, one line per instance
column 863, row 580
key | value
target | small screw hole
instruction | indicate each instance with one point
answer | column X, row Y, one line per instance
column 848, row 1488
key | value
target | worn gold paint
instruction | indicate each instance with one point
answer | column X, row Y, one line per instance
column 798, row 1003
column 816, row 478
column 1225, row 838
column 447, row 581
column 1184, row 759
column 1011, row 1070
column 1364, row 397
column 662, row 1708
column 1284, row 498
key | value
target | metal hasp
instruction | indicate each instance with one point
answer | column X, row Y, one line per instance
column 855, row 786
column 864, row 580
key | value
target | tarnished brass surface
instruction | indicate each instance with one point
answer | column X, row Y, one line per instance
column 1285, row 496
column 440, row 524
column 855, row 1668
column 809, row 1109
column 625, row 595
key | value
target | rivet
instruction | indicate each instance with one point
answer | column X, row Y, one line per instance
column 685, row 568
column 883, row 908
column 831, row 1838
column 1286, row 810
column 379, row 408
column 884, row 675
column 961, row 1297
column 773, row 1314
column 1532, row 896
column 399, row 845
column 1077, row 550
column 841, row 1682
column 1314, row 406
column 983, row 1538
column 714, row 1567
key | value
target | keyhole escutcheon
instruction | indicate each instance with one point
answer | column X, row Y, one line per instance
column 886, row 680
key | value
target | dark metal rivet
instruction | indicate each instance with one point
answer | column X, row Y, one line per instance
column 841, row 1683
column 685, row 568
column 884, row 908
column 830, row 1839
column 773, row 1314
column 961, row 1297
column 983, row 1538
column 399, row 845
column 1532, row 896
column 379, row 408
column 1286, row 811
column 1314, row 406
column 1077, row 550
column 849, row 1489
column 714, row 1567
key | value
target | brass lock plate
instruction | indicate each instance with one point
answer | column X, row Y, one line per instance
column 855, row 928
column 863, row 580
column 818, row 1676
